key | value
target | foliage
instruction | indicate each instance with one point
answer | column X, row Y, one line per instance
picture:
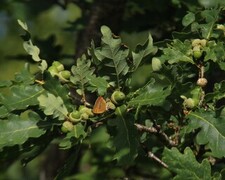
column 171, row 118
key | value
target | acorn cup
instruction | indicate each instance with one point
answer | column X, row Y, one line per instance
column 59, row 66
column 75, row 116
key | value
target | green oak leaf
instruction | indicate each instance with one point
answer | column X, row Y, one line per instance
column 17, row 130
column 177, row 52
column 53, row 86
column 32, row 50
column 3, row 112
column 151, row 94
column 211, row 131
column 80, row 71
column 22, row 96
column 188, row 19
column 5, row 83
column 25, row 76
column 142, row 51
column 125, row 140
column 185, row 165
column 113, row 53
column 98, row 84
column 53, row 105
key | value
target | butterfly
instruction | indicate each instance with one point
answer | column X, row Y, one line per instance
column 100, row 105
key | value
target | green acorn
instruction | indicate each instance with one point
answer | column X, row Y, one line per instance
column 58, row 65
column 117, row 96
column 65, row 74
column 83, row 109
column 67, row 126
column 75, row 116
column 53, row 70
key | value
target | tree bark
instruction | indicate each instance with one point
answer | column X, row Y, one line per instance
column 102, row 12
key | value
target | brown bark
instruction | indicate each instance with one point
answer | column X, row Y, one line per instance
column 102, row 12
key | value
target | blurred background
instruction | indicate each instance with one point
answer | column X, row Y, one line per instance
column 63, row 30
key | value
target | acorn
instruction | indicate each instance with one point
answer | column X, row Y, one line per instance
column 75, row 116
column 67, row 126
column 156, row 64
column 53, row 70
column 85, row 110
column 197, row 52
column 65, row 74
column 202, row 82
column 58, row 65
column 117, row 96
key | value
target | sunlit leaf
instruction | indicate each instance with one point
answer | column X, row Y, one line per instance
column 16, row 130
column 22, row 97
column 98, row 84
column 32, row 50
column 53, row 105
column 53, row 86
column 22, row 24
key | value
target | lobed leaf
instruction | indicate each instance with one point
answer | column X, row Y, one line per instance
column 152, row 94
column 80, row 72
column 211, row 131
column 113, row 53
column 185, row 165
column 32, row 50
column 53, row 86
column 98, row 84
column 53, row 105
column 178, row 52
column 22, row 97
column 17, row 130
column 142, row 51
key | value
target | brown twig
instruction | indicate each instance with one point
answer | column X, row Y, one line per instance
column 154, row 130
column 153, row 156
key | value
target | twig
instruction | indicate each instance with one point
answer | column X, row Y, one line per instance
column 147, row 129
column 154, row 130
column 153, row 156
